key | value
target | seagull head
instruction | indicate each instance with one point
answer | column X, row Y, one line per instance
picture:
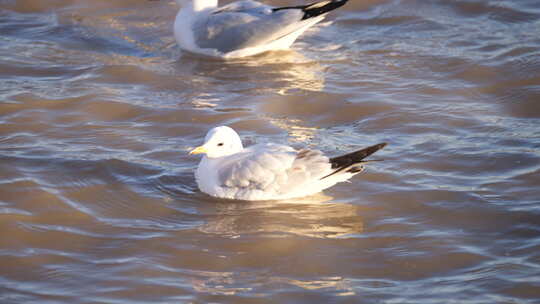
column 220, row 141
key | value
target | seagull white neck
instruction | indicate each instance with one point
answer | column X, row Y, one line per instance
column 197, row 5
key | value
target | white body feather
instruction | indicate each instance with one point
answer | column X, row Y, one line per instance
column 264, row 171
column 280, row 36
column 264, row 179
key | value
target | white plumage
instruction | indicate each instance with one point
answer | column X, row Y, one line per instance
column 269, row 171
column 243, row 28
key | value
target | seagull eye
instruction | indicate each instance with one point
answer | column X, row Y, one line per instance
column 220, row 144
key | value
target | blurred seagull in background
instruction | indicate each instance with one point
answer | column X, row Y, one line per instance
column 269, row 171
column 243, row 28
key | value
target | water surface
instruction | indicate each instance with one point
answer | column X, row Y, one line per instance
column 98, row 202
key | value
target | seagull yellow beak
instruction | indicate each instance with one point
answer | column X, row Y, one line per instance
column 199, row 150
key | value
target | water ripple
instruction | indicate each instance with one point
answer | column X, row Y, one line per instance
column 98, row 202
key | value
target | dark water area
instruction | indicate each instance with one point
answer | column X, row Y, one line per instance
column 99, row 204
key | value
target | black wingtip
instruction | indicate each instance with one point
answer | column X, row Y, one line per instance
column 375, row 148
column 343, row 162
column 322, row 7
column 356, row 156
column 315, row 9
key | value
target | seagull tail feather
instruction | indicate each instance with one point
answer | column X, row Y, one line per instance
column 351, row 162
column 316, row 9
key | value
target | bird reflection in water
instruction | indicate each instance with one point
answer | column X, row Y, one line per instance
column 311, row 216
column 283, row 73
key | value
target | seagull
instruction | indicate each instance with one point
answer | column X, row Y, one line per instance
column 269, row 171
column 243, row 28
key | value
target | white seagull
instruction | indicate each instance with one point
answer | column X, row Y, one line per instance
column 243, row 28
column 269, row 171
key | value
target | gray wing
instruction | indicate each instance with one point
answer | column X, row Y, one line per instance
column 244, row 24
column 247, row 6
column 273, row 168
